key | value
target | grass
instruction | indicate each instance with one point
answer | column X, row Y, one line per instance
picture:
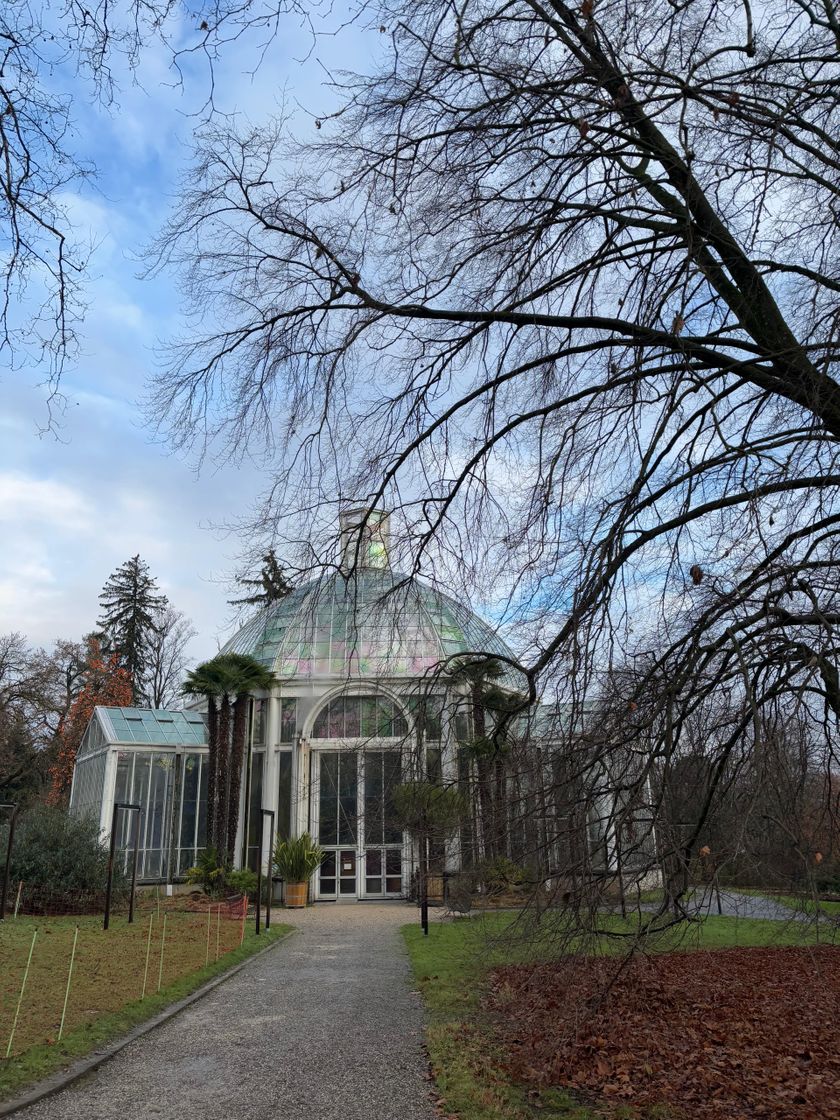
column 450, row 966
column 105, row 995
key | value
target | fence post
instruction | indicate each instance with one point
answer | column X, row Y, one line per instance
column 69, row 978
column 207, row 954
column 22, row 989
column 148, row 951
column 17, row 900
column 162, row 947
column 218, row 928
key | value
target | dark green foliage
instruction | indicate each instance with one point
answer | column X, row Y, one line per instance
column 217, row 879
column 209, row 873
column 428, row 810
column 131, row 606
column 501, row 875
column 295, row 861
column 227, row 683
column 270, row 587
column 60, row 854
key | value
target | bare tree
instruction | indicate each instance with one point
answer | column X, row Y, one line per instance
column 560, row 286
column 44, row 48
column 168, row 659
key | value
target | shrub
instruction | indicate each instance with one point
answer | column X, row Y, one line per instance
column 216, row 879
column 244, row 881
column 209, row 873
column 296, row 860
column 58, row 854
column 501, row 875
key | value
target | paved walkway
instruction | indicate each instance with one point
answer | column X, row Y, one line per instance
column 324, row 1027
column 734, row 904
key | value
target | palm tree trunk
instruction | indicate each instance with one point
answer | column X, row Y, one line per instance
column 223, row 778
column 212, row 769
column 240, row 726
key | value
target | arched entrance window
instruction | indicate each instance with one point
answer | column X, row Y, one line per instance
column 356, row 765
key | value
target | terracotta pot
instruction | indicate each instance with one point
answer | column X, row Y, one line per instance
column 296, row 894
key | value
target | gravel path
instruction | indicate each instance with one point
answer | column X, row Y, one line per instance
column 324, row 1027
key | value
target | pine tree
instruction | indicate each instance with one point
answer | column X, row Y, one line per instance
column 131, row 606
column 269, row 587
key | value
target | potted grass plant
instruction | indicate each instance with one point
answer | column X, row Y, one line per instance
column 295, row 861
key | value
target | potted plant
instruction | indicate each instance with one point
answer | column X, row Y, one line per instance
column 294, row 862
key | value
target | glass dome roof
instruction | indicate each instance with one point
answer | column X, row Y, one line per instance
column 375, row 624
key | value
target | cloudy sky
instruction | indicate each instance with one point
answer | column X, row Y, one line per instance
column 74, row 508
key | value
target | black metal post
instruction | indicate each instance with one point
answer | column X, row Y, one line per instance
column 259, row 878
column 263, row 814
column 269, row 813
column 424, row 885
column 5, row 889
column 111, row 849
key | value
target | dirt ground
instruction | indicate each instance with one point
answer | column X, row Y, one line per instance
column 724, row 1035
column 109, row 967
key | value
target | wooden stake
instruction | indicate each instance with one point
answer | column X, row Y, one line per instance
column 69, row 978
column 207, row 954
column 22, row 989
column 244, row 914
column 162, row 946
column 17, row 900
column 218, row 928
column 148, row 951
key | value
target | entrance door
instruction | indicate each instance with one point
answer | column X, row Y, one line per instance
column 356, row 824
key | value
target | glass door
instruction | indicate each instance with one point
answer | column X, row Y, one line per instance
column 356, row 824
column 338, row 819
column 383, row 838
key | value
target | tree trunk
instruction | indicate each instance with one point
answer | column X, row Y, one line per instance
column 212, row 769
column 484, row 776
column 223, row 778
column 240, row 727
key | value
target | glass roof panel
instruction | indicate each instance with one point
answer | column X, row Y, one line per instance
column 142, row 725
column 378, row 623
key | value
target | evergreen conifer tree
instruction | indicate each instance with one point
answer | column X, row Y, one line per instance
column 131, row 607
column 269, row 587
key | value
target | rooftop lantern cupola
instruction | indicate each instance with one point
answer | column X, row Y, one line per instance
column 364, row 538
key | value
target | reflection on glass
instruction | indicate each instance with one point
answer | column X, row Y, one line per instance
column 284, row 795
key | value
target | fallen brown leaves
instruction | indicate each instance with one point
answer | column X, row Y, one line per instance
column 720, row 1035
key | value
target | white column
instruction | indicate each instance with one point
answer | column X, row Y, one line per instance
column 449, row 774
column 270, row 774
column 108, row 793
column 301, row 791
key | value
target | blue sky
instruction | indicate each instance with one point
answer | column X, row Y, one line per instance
column 73, row 509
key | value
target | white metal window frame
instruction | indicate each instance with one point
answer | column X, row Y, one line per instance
column 360, row 749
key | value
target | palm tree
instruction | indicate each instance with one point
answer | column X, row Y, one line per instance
column 205, row 681
column 243, row 676
column 226, row 676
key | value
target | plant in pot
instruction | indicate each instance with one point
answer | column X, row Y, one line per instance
column 295, row 861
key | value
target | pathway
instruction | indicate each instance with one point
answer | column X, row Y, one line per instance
column 324, row 1027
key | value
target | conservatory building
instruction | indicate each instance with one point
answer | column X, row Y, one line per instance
column 360, row 706
column 357, row 709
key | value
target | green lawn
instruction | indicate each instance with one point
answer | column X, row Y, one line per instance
column 109, row 969
column 449, row 967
